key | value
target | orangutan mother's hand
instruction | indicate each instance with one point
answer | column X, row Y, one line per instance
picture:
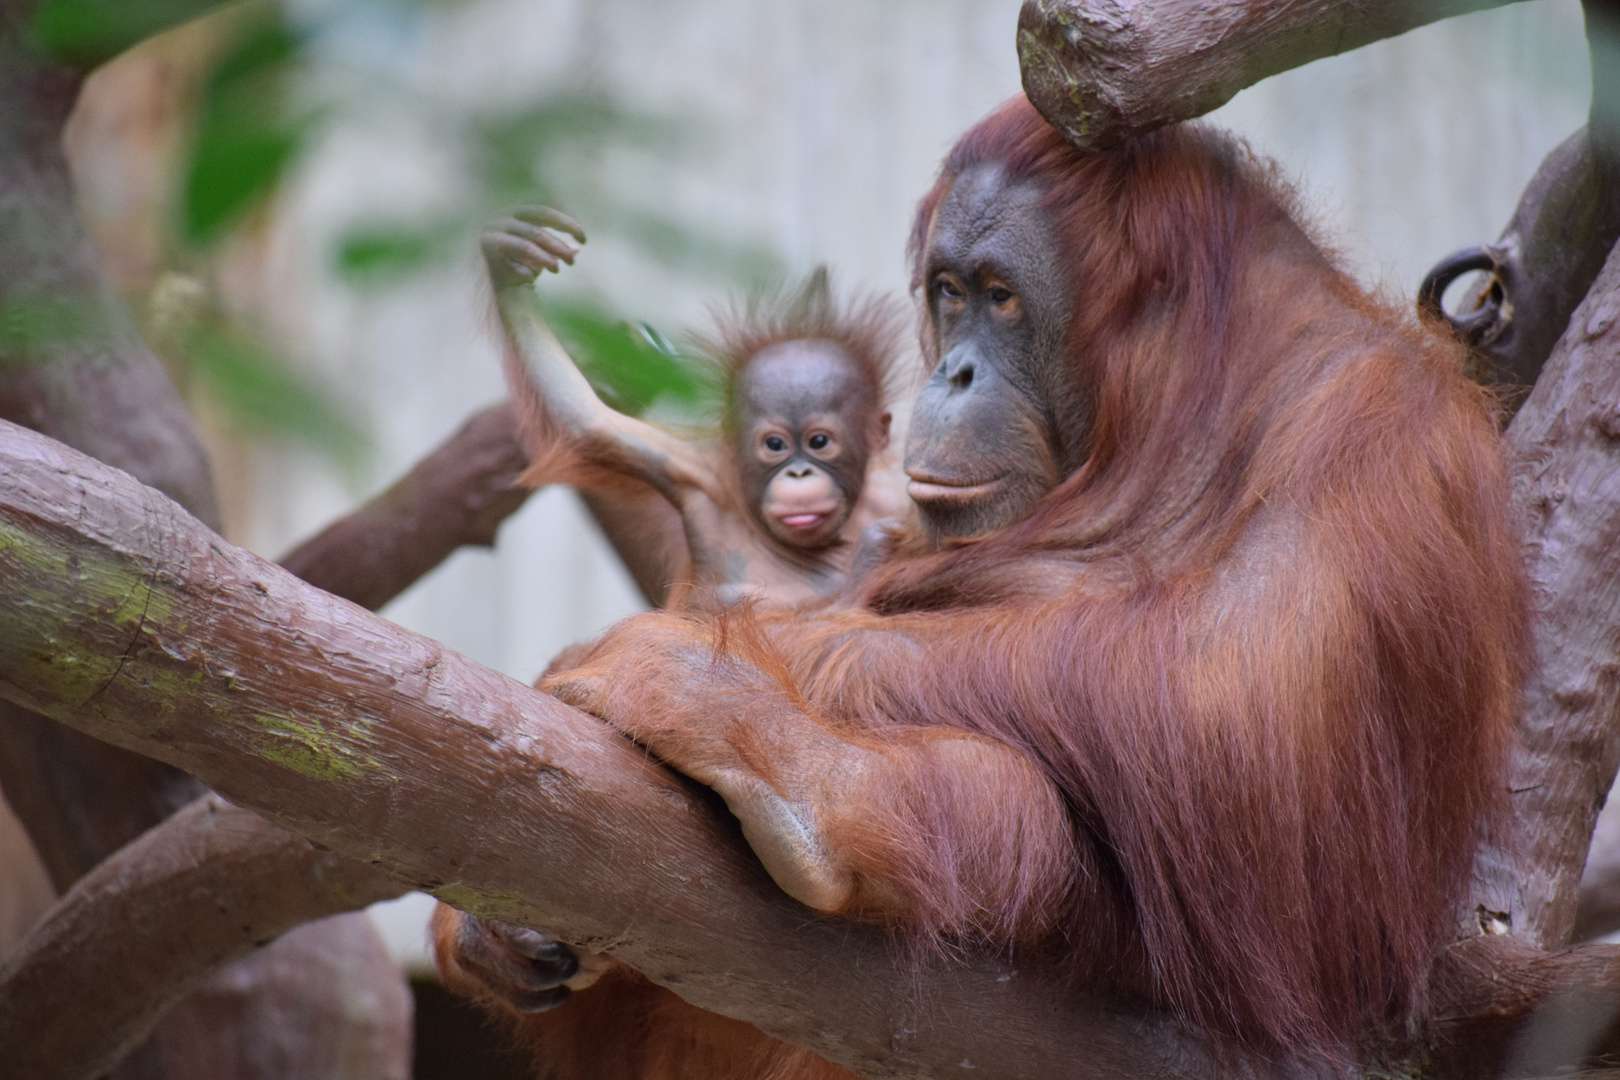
column 707, row 697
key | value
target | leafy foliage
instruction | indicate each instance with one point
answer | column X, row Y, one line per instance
column 246, row 136
column 88, row 32
column 256, row 387
column 630, row 366
column 258, row 112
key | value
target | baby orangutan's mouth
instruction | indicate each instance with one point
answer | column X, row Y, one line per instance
column 802, row 520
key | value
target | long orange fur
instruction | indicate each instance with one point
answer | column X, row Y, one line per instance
column 1264, row 646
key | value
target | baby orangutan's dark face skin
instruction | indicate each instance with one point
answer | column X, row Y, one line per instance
column 806, row 423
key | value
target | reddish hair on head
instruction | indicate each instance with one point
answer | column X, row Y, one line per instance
column 866, row 327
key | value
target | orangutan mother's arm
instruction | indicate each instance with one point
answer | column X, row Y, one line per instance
column 932, row 829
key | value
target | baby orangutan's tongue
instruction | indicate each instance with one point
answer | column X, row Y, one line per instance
column 800, row 521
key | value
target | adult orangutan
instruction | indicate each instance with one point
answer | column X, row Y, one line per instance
column 1197, row 663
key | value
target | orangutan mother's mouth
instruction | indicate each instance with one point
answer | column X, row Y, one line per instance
column 929, row 490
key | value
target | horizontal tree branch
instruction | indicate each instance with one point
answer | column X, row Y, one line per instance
column 129, row 621
column 1101, row 71
column 1506, row 1008
column 209, row 885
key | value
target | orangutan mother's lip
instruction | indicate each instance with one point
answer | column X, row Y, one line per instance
column 926, row 491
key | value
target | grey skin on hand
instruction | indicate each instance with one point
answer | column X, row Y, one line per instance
column 521, row 247
column 525, row 967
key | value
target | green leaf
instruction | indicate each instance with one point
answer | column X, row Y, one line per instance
column 246, row 135
column 629, row 366
column 259, row 391
column 381, row 254
column 88, row 32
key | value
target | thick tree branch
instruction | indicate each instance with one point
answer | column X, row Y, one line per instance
column 129, row 621
column 1103, row 70
column 1565, row 445
column 209, row 885
column 1503, row 1007
column 72, row 365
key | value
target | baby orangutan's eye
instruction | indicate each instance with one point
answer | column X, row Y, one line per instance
column 818, row 441
column 775, row 444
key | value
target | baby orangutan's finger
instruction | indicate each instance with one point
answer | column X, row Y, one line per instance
column 513, row 260
column 560, row 246
column 551, row 219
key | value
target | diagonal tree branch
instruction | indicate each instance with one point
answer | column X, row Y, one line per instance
column 131, row 622
column 458, row 494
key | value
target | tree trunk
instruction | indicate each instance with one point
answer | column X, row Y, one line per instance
column 72, row 365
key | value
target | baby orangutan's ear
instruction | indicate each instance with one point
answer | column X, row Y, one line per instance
column 883, row 423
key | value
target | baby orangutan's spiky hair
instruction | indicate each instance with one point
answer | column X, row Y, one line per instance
column 867, row 326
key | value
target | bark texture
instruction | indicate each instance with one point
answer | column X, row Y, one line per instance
column 1565, row 446
column 208, row 886
column 1101, row 71
column 1504, row 1008
column 132, row 623
column 73, row 366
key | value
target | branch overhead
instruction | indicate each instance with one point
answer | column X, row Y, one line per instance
column 1101, row 71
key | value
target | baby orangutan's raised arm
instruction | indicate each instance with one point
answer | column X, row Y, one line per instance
column 557, row 402
column 774, row 502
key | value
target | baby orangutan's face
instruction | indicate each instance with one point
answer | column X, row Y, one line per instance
column 807, row 422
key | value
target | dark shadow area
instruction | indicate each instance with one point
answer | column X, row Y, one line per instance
column 456, row 1041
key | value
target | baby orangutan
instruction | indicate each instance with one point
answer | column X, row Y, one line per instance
column 771, row 511
column 773, row 508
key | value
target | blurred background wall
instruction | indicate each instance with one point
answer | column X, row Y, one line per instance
column 802, row 129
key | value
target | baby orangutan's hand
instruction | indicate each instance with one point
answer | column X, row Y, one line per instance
column 519, row 248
